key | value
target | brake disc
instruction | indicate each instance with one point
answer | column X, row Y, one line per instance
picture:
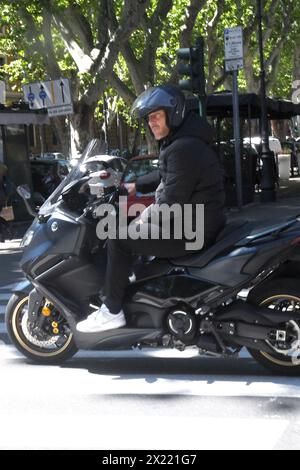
column 46, row 343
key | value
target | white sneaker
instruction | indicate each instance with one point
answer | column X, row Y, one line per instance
column 101, row 320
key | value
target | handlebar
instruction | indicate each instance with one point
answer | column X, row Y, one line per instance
column 91, row 208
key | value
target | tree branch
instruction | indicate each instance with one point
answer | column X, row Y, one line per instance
column 274, row 58
column 192, row 12
column 134, row 67
column 49, row 57
column 44, row 48
column 80, row 27
column 269, row 21
column 102, row 25
column 132, row 13
column 31, row 31
column 275, row 64
column 155, row 25
column 82, row 60
column 219, row 81
column 213, row 45
column 122, row 89
column 296, row 59
column 185, row 37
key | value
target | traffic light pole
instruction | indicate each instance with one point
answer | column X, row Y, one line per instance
column 193, row 67
column 201, row 92
column 267, row 180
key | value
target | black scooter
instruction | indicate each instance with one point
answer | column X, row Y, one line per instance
column 192, row 301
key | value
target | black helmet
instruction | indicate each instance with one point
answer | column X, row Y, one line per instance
column 166, row 97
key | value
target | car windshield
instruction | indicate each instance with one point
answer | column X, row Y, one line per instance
column 139, row 167
column 94, row 147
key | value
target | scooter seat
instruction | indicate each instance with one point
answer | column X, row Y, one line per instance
column 231, row 233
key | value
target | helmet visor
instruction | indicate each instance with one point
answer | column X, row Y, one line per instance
column 151, row 100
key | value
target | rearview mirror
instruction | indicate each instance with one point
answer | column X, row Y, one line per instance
column 24, row 191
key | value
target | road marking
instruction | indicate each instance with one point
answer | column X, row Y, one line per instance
column 5, row 296
column 8, row 287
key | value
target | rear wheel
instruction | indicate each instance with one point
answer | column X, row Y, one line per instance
column 280, row 295
column 45, row 340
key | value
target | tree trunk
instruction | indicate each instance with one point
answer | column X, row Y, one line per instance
column 62, row 133
column 280, row 129
column 296, row 64
column 83, row 126
column 296, row 80
column 134, row 141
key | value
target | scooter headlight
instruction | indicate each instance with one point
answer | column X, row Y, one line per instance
column 27, row 238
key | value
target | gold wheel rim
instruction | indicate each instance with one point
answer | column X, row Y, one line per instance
column 19, row 306
column 265, row 354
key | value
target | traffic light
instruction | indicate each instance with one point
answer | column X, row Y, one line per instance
column 194, row 68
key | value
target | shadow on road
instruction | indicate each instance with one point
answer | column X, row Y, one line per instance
column 166, row 367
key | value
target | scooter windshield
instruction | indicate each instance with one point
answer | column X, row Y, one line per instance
column 94, row 147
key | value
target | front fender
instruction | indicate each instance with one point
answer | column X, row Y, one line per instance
column 35, row 298
column 24, row 286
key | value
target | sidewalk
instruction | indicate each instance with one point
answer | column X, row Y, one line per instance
column 287, row 205
column 18, row 230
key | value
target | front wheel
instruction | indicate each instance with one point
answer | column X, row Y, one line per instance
column 40, row 341
column 282, row 295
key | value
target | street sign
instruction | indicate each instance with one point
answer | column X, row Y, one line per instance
column 60, row 110
column 233, row 45
column 31, row 95
column 52, row 93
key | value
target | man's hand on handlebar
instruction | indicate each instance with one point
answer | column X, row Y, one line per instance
column 131, row 188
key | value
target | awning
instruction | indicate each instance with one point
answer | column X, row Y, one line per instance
column 16, row 117
column 220, row 105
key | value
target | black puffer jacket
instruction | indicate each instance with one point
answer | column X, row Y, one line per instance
column 189, row 172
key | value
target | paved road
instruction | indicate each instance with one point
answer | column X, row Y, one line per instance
column 145, row 400
column 140, row 399
column 10, row 274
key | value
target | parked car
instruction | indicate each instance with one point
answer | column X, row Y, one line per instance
column 140, row 166
column 275, row 147
column 250, row 171
column 293, row 148
column 274, row 143
column 46, row 176
column 52, row 156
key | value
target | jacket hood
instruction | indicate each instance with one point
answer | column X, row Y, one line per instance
column 194, row 126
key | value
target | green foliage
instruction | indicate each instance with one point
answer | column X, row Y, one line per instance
column 25, row 44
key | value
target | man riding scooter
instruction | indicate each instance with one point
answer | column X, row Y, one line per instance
column 189, row 173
